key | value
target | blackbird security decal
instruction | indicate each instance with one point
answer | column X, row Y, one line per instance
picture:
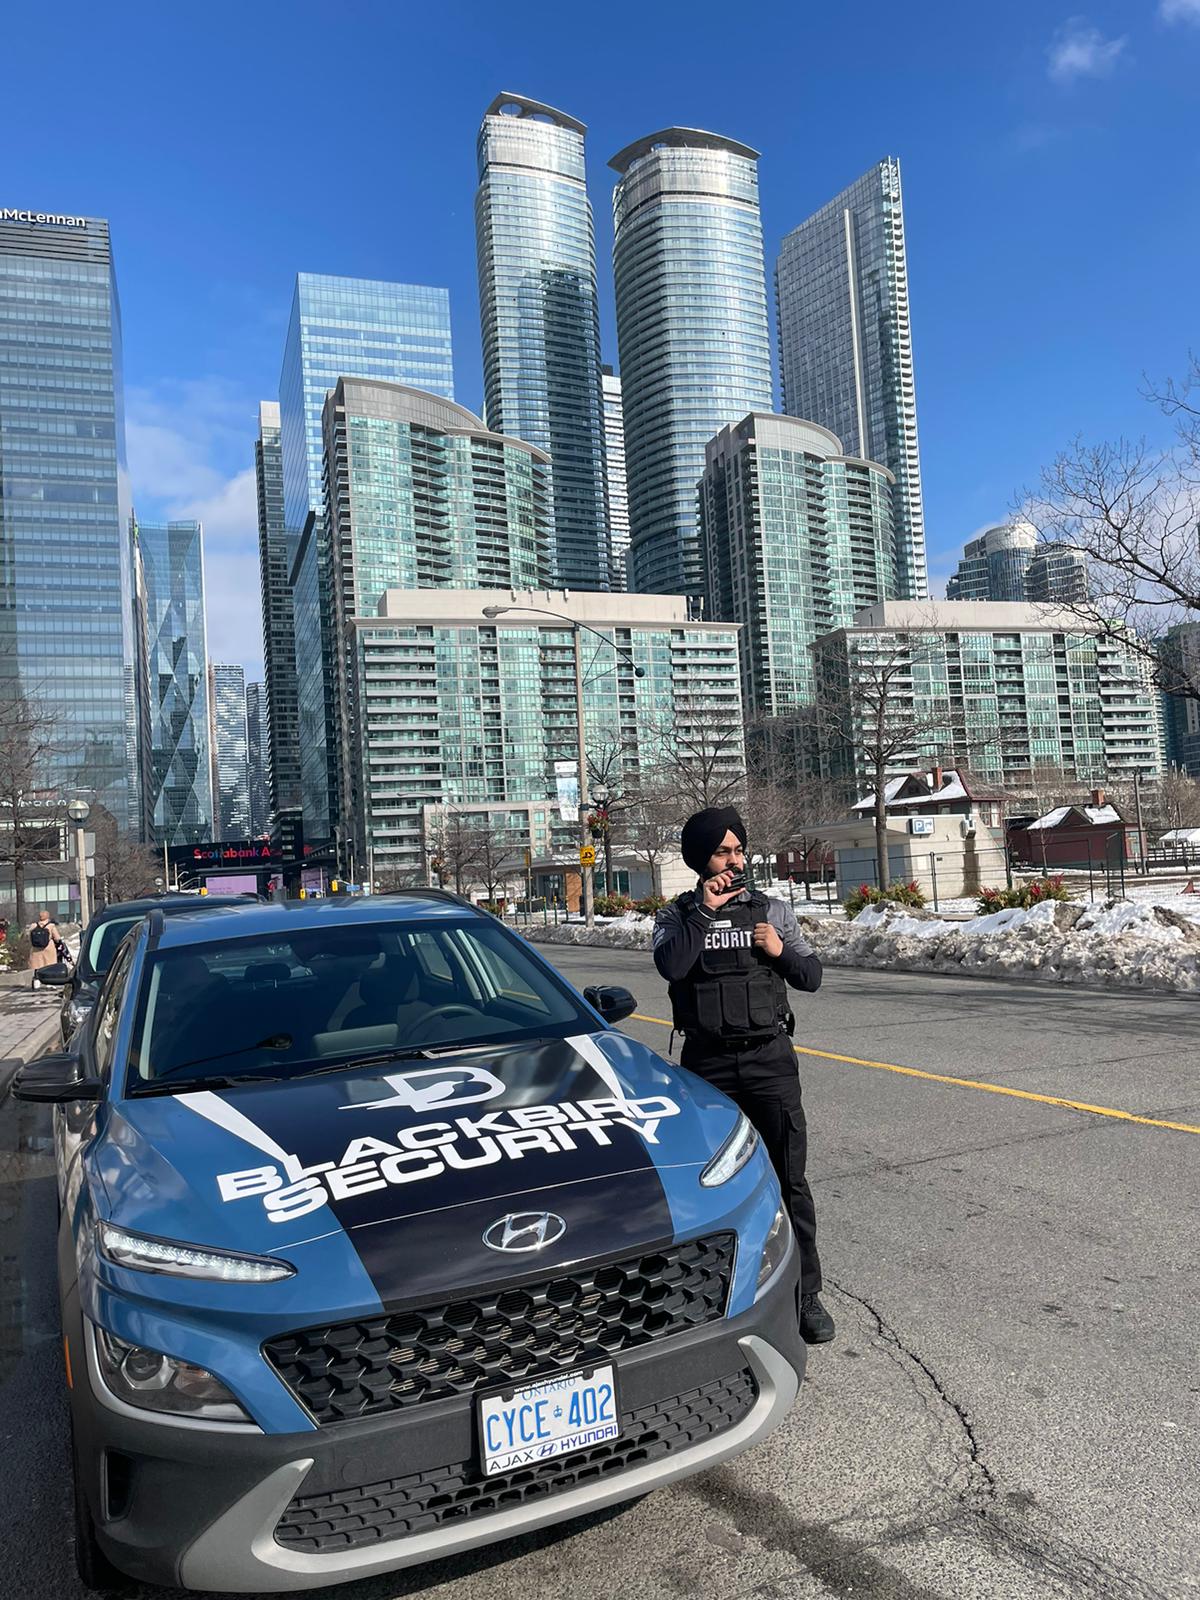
column 290, row 1189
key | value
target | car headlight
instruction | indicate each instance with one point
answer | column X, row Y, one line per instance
column 733, row 1154
column 137, row 1250
column 77, row 1012
column 778, row 1243
column 156, row 1382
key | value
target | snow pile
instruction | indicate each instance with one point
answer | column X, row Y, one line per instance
column 1129, row 945
column 1114, row 943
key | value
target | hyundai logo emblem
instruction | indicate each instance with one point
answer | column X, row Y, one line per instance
column 524, row 1230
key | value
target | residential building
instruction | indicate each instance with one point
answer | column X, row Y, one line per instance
column 1058, row 575
column 257, row 758
column 66, row 586
column 276, row 553
column 461, row 711
column 344, row 327
column 421, row 495
column 171, row 558
column 313, row 712
column 796, row 537
column 845, row 343
column 695, row 350
column 995, row 565
column 1179, row 675
column 540, row 317
column 1006, row 690
column 229, row 747
column 618, row 488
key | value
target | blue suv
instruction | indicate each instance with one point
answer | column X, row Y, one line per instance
column 379, row 1242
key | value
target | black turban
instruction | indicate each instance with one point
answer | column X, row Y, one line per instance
column 703, row 832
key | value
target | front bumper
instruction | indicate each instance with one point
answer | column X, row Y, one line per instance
column 238, row 1510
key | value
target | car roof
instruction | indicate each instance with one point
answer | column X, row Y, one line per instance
column 170, row 904
column 215, row 924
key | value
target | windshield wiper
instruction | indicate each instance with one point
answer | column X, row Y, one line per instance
column 273, row 1041
column 187, row 1085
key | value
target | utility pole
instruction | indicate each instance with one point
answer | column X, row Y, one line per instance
column 79, row 811
column 585, row 871
column 1137, row 802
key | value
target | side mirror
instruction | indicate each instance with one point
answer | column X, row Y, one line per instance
column 56, row 976
column 55, row 1079
column 613, row 1003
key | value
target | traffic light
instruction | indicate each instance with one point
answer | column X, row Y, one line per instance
column 334, row 886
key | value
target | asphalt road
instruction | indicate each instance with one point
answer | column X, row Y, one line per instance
column 1011, row 1409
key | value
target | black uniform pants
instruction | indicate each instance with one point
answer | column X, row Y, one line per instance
column 763, row 1081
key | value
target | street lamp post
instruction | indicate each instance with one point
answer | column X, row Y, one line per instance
column 79, row 811
column 578, row 628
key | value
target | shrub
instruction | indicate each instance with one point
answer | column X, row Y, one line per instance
column 1033, row 892
column 650, row 904
column 613, row 905
column 900, row 894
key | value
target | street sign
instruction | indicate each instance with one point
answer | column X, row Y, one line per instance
column 587, row 856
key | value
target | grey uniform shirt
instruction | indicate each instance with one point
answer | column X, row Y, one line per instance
column 679, row 939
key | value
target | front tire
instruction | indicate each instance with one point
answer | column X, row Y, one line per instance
column 93, row 1566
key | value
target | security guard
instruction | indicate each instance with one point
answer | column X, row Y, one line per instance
column 729, row 956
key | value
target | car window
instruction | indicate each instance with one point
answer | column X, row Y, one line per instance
column 283, row 1005
column 105, row 941
column 108, row 1011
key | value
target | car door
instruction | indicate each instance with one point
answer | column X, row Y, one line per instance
column 75, row 1120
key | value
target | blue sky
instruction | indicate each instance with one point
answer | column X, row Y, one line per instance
column 1050, row 161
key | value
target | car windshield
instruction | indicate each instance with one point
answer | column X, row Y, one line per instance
column 286, row 1005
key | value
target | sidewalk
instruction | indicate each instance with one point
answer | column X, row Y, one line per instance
column 28, row 1024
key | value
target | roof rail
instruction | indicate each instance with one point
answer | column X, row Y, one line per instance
column 438, row 894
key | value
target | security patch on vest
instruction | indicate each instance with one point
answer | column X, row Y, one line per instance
column 729, row 939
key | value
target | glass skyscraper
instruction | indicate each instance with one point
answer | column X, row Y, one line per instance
column 66, row 588
column 276, row 552
column 420, row 495
column 171, row 557
column 618, row 488
column 230, row 751
column 256, row 757
column 692, row 330
column 344, row 327
column 797, row 537
column 540, row 317
column 845, row 343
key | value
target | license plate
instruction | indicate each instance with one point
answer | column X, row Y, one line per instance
column 550, row 1417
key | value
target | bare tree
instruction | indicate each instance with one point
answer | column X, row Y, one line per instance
column 498, row 853
column 30, row 813
column 649, row 828
column 699, row 753
column 453, row 842
column 1134, row 511
column 125, row 868
column 868, row 721
column 1180, row 801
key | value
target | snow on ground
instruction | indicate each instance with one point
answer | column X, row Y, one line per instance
column 1128, row 944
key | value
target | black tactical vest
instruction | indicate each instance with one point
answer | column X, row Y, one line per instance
column 732, row 991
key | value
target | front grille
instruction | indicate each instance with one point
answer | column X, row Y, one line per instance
column 396, row 1507
column 359, row 1369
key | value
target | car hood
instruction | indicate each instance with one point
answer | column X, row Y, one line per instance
column 414, row 1162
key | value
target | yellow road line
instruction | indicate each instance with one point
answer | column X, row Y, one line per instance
column 975, row 1083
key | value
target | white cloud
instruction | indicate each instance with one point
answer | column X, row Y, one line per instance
column 1179, row 10
column 1080, row 51
column 191, row 452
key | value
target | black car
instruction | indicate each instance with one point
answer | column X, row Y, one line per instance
column 102, row 938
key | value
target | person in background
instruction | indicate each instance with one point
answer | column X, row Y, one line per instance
column 44, row 939
column 730, row 955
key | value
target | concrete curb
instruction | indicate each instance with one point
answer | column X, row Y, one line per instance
column 34, row 1044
